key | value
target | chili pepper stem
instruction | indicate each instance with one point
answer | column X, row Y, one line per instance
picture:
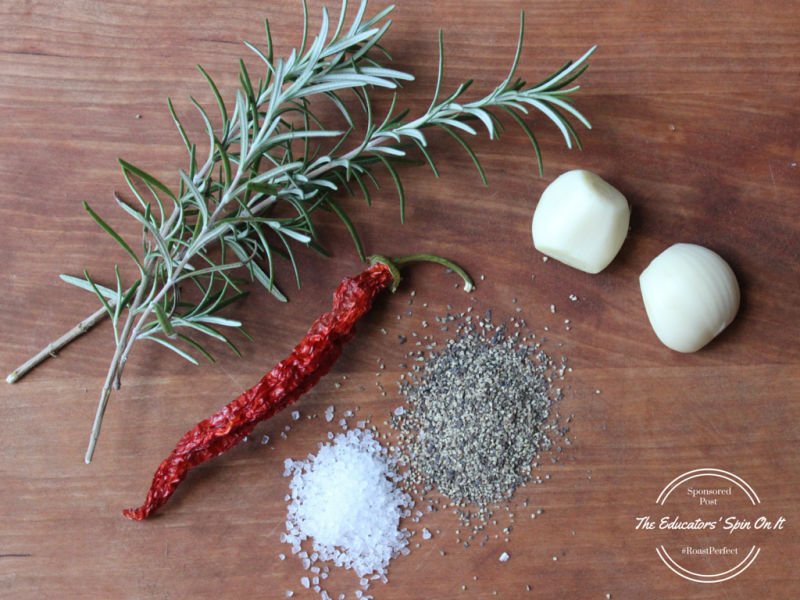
column 394, row 264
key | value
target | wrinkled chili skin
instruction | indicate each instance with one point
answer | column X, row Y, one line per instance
column 284, row 384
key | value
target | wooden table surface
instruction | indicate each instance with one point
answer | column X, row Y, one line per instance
column 696, row 119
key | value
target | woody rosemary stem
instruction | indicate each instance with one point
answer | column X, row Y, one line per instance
column 56, row 345
column 112, row 377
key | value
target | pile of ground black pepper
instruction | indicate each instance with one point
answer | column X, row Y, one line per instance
column 477, row 412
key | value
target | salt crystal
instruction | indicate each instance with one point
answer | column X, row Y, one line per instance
column 295, row 415
column 399, row 411
column 329, row 414
column 426, row 535
column 345, row 500
column 289, row 593
column 504, row 557
column 304, row 582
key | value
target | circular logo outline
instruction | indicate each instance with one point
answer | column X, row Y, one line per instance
column 671, row 563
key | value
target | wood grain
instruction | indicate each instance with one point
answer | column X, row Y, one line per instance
column 696, row 120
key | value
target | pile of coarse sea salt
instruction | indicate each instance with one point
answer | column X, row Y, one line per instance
column 347, row 501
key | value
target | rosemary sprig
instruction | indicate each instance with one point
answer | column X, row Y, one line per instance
column 271, row 164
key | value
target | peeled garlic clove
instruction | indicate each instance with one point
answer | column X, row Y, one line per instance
column 581, row 221
column 690, row 295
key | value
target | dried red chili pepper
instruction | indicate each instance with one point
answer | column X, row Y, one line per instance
column 286, row 382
